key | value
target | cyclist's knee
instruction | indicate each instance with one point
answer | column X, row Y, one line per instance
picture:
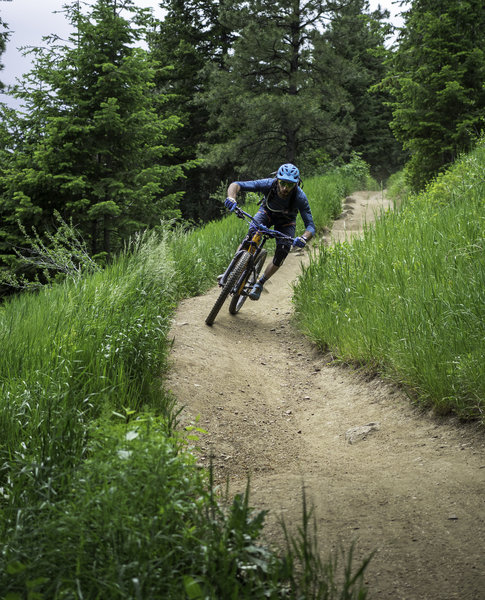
column 280, row 254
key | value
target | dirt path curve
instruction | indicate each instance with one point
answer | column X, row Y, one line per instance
column 412, row 489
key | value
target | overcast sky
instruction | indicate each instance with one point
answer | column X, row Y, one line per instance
column 30, row 20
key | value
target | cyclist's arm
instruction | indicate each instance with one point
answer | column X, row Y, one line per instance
column 233, row 189
column 306, row 215
column 257, row 185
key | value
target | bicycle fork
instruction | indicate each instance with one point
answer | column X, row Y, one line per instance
column 252, row 248
column 222, row 280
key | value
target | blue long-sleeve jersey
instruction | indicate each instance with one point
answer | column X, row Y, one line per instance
column 297, row 202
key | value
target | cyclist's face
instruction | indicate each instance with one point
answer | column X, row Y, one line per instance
column 285, row 187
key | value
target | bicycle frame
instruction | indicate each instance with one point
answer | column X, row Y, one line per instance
column 244, row 267
column 254, row 247
column 256, row 243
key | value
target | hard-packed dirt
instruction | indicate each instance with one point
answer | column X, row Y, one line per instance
column 378, row 471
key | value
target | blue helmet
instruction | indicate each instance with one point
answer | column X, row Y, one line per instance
column 289, row 172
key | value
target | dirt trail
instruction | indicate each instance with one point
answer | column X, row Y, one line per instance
column 411, row 489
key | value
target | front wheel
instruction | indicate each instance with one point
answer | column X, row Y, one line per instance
column 246, row 283
column 231, row 280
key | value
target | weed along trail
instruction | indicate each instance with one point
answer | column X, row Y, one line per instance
column 405, row 485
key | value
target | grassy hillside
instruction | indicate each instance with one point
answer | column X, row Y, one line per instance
column 408, row 299
column 100, row 496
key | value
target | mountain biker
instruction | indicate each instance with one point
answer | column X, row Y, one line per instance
column 283, row 200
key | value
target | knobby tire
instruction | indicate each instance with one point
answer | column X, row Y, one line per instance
column 231, row 281
column 248, row 279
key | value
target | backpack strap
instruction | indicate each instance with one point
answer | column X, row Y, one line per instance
column 272, row 194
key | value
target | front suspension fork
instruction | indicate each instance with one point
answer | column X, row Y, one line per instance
column 248, row 245
column 222, row 280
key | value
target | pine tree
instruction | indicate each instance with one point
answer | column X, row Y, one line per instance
column 277, row 99
column 437, row 84
column 91, row 143
column 191, row 37
column 358, row 38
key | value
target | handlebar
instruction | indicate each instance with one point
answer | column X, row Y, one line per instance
column 272, row 233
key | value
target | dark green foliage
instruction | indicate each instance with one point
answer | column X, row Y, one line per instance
column 296, row 88
column 51, row 256
column 91, row 143
column 139, row 520
column 117, row 138
column 357, row 38
column 436, row 81
column 229, row 89
column 191, row 37
column 271, row 103
column 108, row 529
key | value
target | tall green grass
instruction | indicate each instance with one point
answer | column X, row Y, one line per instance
column 409, row 298
column 100, row 496
column 326, row 193
column 78, row 349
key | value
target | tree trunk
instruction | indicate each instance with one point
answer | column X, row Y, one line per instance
column 107, row 234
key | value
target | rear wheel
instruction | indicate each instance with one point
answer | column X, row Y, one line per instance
column 231, row 280
column 247, row 282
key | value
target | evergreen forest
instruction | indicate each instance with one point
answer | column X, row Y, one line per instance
column 133, row 121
